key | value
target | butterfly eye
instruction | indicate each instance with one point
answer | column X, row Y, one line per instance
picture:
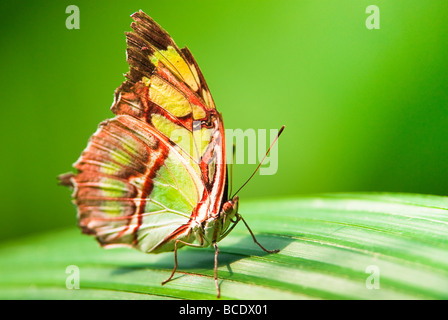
column 227, row 207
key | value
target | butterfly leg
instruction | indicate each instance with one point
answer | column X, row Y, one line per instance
column 216, row 270
column 255, row 240
column 175, row 258
column 194, row 245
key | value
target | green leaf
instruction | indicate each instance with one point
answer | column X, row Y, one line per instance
column 327, row 244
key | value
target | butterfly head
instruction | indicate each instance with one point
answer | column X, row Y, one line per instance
column 230, row 207
column 217, row 227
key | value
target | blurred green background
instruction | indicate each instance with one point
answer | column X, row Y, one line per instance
column 365, row 110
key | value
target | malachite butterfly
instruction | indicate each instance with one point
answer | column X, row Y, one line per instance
column 154, row 177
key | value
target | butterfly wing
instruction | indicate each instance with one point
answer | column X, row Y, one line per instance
column 150, row 175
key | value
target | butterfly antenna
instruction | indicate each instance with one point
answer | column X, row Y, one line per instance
column 231, row 168
column 261, row 162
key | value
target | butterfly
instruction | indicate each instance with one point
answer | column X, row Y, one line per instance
column 155, row 177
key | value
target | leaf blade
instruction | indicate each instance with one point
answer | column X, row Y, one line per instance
column 326, row 241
